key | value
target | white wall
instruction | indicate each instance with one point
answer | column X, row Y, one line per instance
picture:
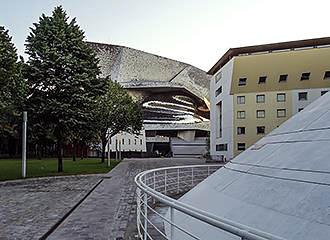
column 129, row 142
column 227, row 112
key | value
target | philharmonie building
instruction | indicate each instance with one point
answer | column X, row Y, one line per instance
column 174, row 97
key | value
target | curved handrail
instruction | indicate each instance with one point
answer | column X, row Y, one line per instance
column 235, row 228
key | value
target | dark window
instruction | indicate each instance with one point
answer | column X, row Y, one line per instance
column 281, row 97
column 281, row 113
column 323, row 92
column 302, row 96
column 141, row 141
column 221, row 147
column 240, row 130
column 300, row 109
column 260, row 113
column 305, row 76
column 240, row 114
column 260, row 98
column 283, row 78
column 134, row 141
column 240, row 146
column 240, row 99
column 326, row 75
column 123, row 141
column 218, row 77
column 218, row 91
column 262, row 79
column 242, row 81
column 261, row 130
column 129, row 141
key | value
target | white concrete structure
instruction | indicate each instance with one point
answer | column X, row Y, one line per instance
column 126, row 142
column 280, row 185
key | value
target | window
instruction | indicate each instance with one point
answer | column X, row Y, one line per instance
column 281, row 113
column 219, row 119
column 283, row 78
column 300, row 109
column 305, row 76
column 218, row 91
column 240, row 99
column 129, row 141
column 326, row 75
column 123, row 141
column 260, row 98
column 221, row 147
column 260, row 113
column 240, row 114
column 323, row 92
column 242, row 81
column 240, row 146
column 281, row 97
column 240, row 130
column 141, row 141
column 218, row 77
column 134, row 141
column 261, row 130
column 262, row 79
column 302, row 96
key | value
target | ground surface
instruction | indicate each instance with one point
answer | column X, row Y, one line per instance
column 29, row 209
column 11, row 168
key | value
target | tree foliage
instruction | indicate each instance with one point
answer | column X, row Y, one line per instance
column 62, row 77
column 117, row 112
column 12, row 86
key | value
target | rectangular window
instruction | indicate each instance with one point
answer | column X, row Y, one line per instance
column 302, row 96
column 240, row 114
column 261, row 130
column 123, row 141
column 326, row 75
column 242, row 81
column 141, row 141
column 129, row 141
column 281, row 113
column 218, row 77
column 134, row 141
column 218, row 91
column 221, row 147
column 240, row 146
column 240, row 130
column 300, row 109
column 262, row 79
column 219, row 120
column 260, row 113
column 260, row 98
column 283, row 78
column 323, row 92
column 305, row 76
column 281, row 97
column 240, row 99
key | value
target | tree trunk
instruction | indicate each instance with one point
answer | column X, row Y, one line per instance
column 104, row 142
column 59, row 155
column 74, row 151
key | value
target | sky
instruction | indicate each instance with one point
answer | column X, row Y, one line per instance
column 197, row 32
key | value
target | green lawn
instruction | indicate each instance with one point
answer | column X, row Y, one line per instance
column 11, row 168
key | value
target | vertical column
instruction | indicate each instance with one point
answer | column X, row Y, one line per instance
column 24, row 144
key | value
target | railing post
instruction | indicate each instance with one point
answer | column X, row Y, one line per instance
column 171, row 223
column 145, row 216
column 192, row 176
column 178, row 180
column 208, row 170
column 154, row 199
column 165, row 176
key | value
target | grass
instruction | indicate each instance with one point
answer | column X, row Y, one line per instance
column 11, row 168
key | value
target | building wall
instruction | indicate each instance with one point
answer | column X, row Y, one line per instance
column 293, row 63
column 227, row 110
column 128, row 142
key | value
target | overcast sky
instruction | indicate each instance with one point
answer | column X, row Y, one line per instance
column 198, row 32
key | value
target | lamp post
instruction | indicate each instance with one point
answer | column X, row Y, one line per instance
column 24, row 144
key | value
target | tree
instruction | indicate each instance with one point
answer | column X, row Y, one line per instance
column 117, row 112
column 62, row 77
column 12, row 85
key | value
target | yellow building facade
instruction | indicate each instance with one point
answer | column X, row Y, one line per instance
column 255, row 89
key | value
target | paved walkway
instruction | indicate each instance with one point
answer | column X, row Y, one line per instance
column 29, row 208
column 109, row 212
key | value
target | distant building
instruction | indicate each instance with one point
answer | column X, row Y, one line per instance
column 255, row 89
column 174, row 96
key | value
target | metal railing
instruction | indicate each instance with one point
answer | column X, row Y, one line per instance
column 160, row 187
